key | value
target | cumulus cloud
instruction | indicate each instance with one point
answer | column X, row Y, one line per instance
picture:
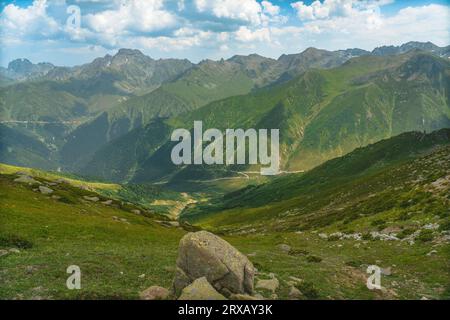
column 244, row 34
column 270, row 8
column 243, row 10
column 24, row 23
column 369, row 28
column 336, row 8
column 210, row 28
column 133, row 16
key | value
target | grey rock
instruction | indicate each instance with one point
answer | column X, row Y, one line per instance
column 45, row 190
column 295, row 294
column 154, row 293
column 93, row 199
column 26, row 179
column 174, row 223
column 386, row 271
column 270, row 284
column 284, row 247
column 245, row 297
column 200, row 289
column 202, row 254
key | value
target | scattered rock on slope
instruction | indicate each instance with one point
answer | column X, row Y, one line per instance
column 284, row 247
column 154, row 293
column 270, row 285
column 202, row 254
column 93, row 199
column 200, row 289
column 26, row 179
column 45, row 190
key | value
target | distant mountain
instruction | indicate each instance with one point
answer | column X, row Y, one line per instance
column 70, row 108
column 321, row 114
column 55, row 100
column 202, row 84
column 206, row 82
column 133, row 71
column 443, row 52
column 295, row 64
column 24, row 69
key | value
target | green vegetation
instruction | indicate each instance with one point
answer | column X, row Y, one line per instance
column 321, row 114
column 383, row 198
column 113, row 247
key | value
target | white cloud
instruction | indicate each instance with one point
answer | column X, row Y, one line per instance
column 133, row 16
column 270, row 8
column 369, row 28
column 336, row 8
column 31, row 21
column 200, row 29
column 244, row 10
column 244, row 34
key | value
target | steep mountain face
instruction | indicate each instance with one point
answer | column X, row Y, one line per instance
column 398, row 179
column 24, row 69
column 443, row 52
column 206, row 82
column 321, row 114
column 96, row 86
column 56, row 100
column 214, row 80
column 295, row 64
column 115, row 94
column 16, row 147
column 202, row 84
column 119, row 160
column 134, row 72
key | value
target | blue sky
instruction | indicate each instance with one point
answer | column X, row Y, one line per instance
column 211, row 29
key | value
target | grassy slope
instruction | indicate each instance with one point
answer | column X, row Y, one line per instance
column 142, row 195
column 113, row 254
column 368, row 182
column 387, row 187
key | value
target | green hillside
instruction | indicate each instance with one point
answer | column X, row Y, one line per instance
column 112, row 245
column 398, row 187
column 24, row 149
column 398, row 182
column 200, row 85
column 321, row 114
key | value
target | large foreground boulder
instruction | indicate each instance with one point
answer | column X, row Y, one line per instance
column 202, row 254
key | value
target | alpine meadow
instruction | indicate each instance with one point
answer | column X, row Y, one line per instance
column 241, row 150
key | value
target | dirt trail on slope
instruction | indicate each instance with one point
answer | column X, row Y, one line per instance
column 176, row 207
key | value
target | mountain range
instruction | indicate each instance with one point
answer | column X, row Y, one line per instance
column 112, row 118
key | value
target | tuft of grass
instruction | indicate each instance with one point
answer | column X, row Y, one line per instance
column 308, row 290
column 12, row 240
column 313, row 259
column 404, row 233
column 425, row 236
